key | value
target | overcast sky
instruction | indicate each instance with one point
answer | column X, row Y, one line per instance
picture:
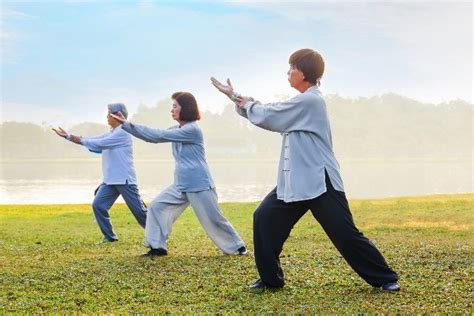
column 63, row 61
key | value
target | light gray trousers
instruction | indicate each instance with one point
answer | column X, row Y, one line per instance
column 170, row 204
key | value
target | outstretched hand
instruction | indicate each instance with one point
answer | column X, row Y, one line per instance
column 60, row 132
column 119, row 117
column 228, row 90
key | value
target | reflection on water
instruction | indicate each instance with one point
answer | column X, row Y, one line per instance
column 74, row 182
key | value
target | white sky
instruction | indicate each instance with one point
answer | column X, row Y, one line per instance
column 63, row 61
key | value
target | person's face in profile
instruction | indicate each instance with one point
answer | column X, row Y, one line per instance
column 295, row 76
column 175, row 110
column 111, row 121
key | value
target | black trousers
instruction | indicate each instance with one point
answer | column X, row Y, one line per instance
column 274, row 219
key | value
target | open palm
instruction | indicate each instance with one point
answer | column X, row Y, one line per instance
column 226, row 89
column 60, row 132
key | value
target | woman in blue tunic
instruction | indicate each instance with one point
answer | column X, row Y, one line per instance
column 193, row 183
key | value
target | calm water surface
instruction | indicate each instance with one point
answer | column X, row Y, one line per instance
column 74, row 182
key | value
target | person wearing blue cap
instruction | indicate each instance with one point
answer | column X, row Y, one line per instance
column 119, row 177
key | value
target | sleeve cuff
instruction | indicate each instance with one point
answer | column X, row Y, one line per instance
column 248, row 104
column 127, row 126
column 85, row 142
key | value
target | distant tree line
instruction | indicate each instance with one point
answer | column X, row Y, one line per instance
column 382, row 127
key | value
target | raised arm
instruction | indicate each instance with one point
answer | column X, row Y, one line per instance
column 185, row 134
column 228, row 90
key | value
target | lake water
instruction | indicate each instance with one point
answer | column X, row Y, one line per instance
column 75, row 182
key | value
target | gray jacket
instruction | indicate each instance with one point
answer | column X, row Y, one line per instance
column 306, row 145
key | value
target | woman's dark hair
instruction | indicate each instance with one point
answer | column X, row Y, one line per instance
column 310, row 63
column 189, row 108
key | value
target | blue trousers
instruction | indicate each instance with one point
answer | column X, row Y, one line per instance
column 105, row 197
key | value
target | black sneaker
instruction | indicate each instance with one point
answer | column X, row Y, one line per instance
column 391, row 287
column 155, row 253
column 242, row 251
column 260, row 285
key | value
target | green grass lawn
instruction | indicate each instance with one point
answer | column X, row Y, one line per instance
column 50, row 262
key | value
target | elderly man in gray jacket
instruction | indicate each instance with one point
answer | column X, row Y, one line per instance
column 308, row 178
column 119, row 177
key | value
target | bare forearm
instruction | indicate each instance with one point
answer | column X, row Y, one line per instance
column 75, row 139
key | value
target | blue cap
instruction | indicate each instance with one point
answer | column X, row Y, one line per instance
column 118, row 107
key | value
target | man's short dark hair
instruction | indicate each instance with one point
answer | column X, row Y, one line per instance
column 310, row 63
column 189, row 108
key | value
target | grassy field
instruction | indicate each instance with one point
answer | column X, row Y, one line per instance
column 50, row 262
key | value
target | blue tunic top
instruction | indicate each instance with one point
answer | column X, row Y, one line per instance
column 117, row 155
column 191, row 171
